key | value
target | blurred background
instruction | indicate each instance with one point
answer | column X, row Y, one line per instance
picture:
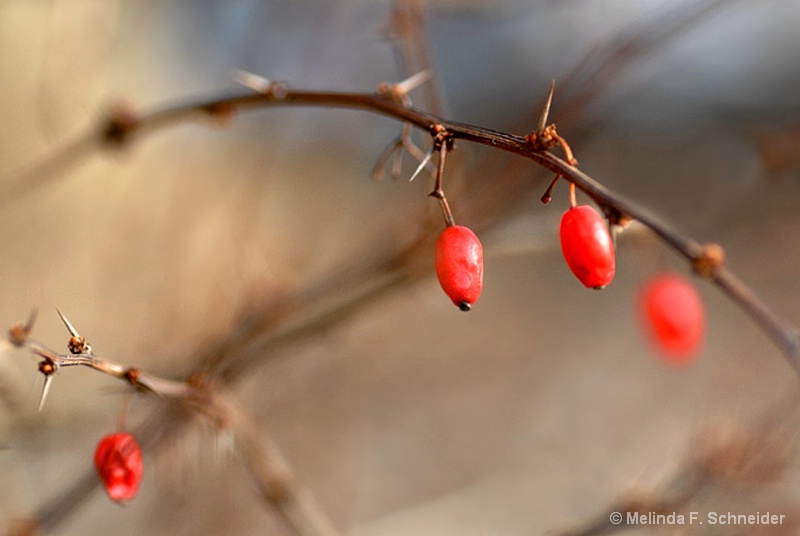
column 262, row 252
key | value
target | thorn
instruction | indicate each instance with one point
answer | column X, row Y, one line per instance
column 424, row 163
column 45, row 389
column 546, row 110
column 31, row 320
column 70, row 328
column 257, row 83
column 413, row 81
column 76, row 343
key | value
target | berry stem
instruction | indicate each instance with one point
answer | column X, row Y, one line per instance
column 573, row 198
column 441, row 141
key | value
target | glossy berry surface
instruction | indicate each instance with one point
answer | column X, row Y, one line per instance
column 587, row 246
column 459, row 265
column 118, row 460
column 674, row 316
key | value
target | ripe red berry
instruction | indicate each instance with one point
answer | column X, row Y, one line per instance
column 587, row 246
column 118, row 460
column 674, row 316
column 459, row 265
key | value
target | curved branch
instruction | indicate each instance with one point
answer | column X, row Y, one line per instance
column 277, row 483
column 264, row 461
column 706, row 259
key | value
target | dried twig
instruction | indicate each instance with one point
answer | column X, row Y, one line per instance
column 744, row 460
column 268, row 466
column 124, row 126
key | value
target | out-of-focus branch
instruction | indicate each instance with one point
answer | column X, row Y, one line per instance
column 269, row 468
column 407, row 26
column 744, row 460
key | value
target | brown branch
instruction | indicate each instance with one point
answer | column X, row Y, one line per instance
column 276, row 482
column 257, row 335
column 123, row 126
column 745, row 460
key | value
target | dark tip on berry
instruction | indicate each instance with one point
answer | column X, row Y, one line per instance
column 599, row 287
column 464, row 306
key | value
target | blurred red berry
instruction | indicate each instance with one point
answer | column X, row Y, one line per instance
column 674, row 316
column 118, row 460
column 587, row 246
column 459, row 265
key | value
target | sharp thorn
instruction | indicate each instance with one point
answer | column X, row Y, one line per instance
column 257, row 83
column 31, row 320
column 546, row 110
column 414, row 81
column 70, row 328
column 422, row 164
column 45, row 389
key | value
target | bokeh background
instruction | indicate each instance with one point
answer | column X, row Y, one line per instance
column 534, row 412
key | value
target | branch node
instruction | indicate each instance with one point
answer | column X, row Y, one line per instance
column 18, row 333
column 275, row 490
column 222, row 112
column 78, row 345
column 709, row 260
column 436, row 130
column 48, row 367
column 547, row 138
column 399, row 92
column 197, row 380
column 121, row 121
column 132, row 376
column 278, row 89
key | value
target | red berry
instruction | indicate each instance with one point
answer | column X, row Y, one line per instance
column 674, row 316
column 587, row 246
column 118, row 460
column 459, row 265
